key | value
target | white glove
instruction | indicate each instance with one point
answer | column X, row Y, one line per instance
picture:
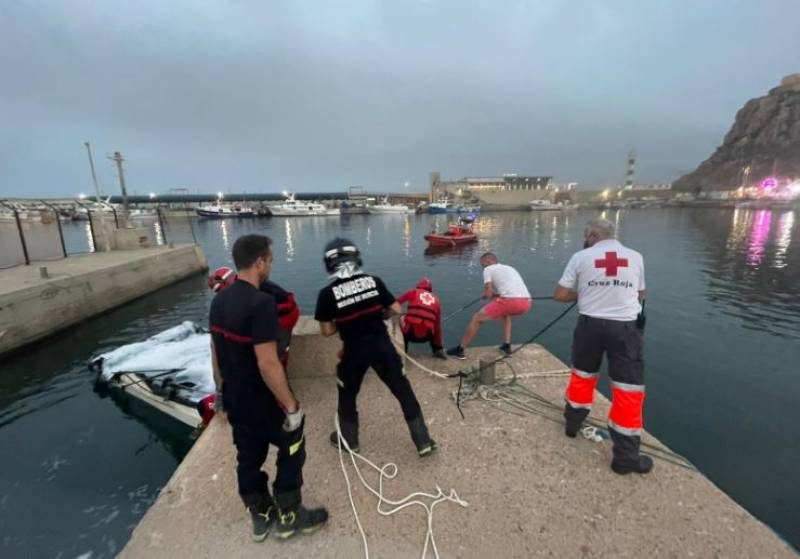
column 293, row 420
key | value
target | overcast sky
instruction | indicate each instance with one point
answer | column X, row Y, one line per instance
column 266, row 96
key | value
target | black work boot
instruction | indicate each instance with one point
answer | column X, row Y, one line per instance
column 574, row 419
column 262, row 513
column 419, row 434
column 642, row 465
column 294, row 518
column 505, row 349
column 349, row 432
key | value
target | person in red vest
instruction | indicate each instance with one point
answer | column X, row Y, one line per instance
column 422, row 322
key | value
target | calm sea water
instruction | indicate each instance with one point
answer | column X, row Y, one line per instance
column 722, row 343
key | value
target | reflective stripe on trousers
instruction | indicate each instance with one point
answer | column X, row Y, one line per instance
column 580, row 391
column 626, row 408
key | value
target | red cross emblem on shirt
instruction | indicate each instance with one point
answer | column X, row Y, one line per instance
column 611, row 263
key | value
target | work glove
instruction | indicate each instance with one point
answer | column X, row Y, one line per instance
column 294, row 421
column 295, row 440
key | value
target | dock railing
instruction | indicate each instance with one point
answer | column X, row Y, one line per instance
column 38, row 232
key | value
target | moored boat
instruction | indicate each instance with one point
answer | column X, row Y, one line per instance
column 548, row 206
column 293, row 208
column 443, row 206
column 386, row 208
column 222, row 211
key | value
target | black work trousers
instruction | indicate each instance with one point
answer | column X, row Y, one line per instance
column 257, row 425
column 409, row 337
column 622, row 344
column 379, row 353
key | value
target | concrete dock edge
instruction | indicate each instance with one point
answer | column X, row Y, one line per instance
column 531, row 491
column 79, row 287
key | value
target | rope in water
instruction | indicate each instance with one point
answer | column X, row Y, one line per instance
column 390, row 471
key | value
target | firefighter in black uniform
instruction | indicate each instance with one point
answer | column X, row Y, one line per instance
column 355, row 304
column 261, row 407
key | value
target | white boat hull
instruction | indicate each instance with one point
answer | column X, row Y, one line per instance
column 135, row 386
column 389, row 210
column 307, row 213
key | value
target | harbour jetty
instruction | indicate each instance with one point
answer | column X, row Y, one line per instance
column 40, row 299
column 529, row 491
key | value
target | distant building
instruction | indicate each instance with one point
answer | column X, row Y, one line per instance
column 659, row 186
column 508, row 192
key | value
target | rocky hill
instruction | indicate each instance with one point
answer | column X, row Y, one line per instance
column 765, row 136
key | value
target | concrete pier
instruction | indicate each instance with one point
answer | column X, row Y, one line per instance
column 532, row 492
column 34, row 304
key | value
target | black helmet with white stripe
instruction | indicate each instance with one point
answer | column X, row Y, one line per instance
column 340, row 250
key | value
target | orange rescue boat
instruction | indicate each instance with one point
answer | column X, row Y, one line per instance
column 460, row 233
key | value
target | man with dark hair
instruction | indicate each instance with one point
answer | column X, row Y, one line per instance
column 508, row 296
column 355, row 305
column 261, row 407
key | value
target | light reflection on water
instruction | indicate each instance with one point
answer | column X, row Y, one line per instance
column 784, row 238
column 223, row 226
column 289, row 241
column 758, row 237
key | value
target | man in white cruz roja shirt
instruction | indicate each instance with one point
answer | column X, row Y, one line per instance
column 509, row 297
column 607, row 280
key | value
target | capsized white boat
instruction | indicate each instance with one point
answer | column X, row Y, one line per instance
column 291, row 208
column 170, row 371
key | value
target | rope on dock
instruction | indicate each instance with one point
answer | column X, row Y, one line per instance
column 507, row 394
column 390, row 471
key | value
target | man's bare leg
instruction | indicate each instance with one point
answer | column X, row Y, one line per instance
column 473, row 327
column 507, row 329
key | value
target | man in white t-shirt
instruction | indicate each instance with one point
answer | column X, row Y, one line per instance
column 509, row 297
column 607, row 280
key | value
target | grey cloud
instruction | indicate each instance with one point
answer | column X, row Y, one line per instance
column 319, row 95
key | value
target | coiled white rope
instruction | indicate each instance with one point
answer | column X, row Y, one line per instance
column 389, row 471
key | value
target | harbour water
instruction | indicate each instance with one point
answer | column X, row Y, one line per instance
column 721, row 344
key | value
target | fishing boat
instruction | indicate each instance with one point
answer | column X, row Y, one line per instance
column 443, row 206
column 292, row 208
column 386, row 208
column 548, row 206
column 460, row 233
column 223, row 211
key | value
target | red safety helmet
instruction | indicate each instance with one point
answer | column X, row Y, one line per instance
column 221, row 278
column 425, row 284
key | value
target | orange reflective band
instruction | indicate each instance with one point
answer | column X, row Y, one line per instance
column 626, row 408
column 580, row 391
